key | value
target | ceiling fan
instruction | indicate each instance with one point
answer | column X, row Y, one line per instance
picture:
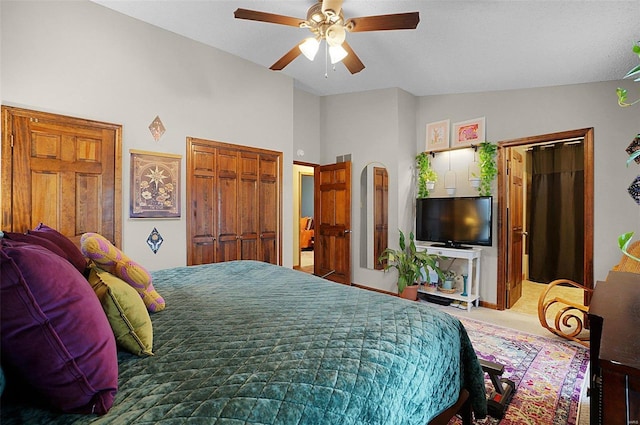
column 326, row 21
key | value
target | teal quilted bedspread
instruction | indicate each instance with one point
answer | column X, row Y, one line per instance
column 250, row 343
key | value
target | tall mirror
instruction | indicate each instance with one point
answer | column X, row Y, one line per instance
column 374, row 215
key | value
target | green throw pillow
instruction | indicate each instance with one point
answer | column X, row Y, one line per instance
column 125, row 310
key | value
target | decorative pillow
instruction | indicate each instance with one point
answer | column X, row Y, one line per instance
column 54, row 333
column 72, row 252
column 35, row 240
column 111, row 259
column 125, row 311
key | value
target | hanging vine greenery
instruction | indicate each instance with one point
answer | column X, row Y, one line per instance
column 633, row 73
column 425, row 174
column 624, row 240
column 488, row 167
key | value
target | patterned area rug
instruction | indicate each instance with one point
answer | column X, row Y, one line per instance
column 548, row 374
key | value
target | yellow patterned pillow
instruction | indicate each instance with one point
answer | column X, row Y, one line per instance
column 111, row 259
column 127, row 314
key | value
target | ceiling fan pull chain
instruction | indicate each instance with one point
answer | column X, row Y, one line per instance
column 326, row 60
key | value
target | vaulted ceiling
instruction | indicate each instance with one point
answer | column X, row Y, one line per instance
column 458, row 46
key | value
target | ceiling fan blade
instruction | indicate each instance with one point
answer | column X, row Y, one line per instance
column 254, row 15
column 352, row 61
column 287, row 58
column 397, row 21
column 331, row 7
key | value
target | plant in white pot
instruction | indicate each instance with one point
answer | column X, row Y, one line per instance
column 409, row 262
column 427, row 177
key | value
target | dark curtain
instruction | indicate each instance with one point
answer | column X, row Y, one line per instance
column 556, row 205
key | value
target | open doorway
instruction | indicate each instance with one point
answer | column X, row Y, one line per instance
column 304, row 220
column 545, row 190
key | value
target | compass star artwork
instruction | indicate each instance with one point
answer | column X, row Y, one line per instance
column 155, row 185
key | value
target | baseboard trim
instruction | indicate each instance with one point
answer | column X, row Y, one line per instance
column 368, row 288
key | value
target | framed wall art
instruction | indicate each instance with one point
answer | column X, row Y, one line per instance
column 467, row 133
column 438, row 135
column 155, row 185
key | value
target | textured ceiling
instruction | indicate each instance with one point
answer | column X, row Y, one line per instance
column 458, row 47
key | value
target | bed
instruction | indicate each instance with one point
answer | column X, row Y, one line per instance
column 246, row 342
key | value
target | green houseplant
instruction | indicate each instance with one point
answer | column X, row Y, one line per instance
column 488, row 167
column 409, row 263
column 426, row 174
column 625, row 239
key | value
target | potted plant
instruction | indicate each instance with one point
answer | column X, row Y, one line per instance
column 447, row 280
column 488, row 168
column 427, row 177
column 409, row 263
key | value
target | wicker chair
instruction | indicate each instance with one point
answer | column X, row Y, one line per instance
column 569, row 321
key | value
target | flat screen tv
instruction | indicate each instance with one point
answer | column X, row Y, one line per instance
column 455, row 222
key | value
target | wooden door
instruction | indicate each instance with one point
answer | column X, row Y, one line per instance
column 269, row 211
column 380, row 214
column 235, row 201
column 332, row 250
column 227, row 206
column 61, row 171
column 201, row 217
column 515, row 219
column 248, row 206
column 586, row 134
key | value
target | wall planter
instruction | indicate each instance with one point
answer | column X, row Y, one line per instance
column 488, row 167
column 427, row 177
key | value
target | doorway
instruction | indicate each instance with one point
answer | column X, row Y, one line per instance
column 304, row 220
column 528, row 203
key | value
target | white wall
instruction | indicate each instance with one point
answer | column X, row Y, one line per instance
column 81, row 59
column 373, row 126
column 306, row 127
column 519, row 113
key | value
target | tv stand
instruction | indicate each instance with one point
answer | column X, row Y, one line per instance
column 452, row 246
column 471, row 254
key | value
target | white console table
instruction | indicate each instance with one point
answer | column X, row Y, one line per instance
column 473, row 275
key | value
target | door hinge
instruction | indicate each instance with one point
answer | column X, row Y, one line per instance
column 12, row 140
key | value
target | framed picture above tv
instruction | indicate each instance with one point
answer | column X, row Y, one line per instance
column 437, row 136
column 467, row 133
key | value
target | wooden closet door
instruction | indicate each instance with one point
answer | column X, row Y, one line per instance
column 61, row 171
column 201, row 219
column 242, row 220
column 269, row 210
column 227, row 206
column 248, row 206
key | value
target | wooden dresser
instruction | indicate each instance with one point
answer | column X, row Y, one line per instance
column 614, row 315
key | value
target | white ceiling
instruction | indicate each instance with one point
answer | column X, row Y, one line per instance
column 458, row 47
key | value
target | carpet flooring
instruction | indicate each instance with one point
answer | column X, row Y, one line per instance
column 549, row 374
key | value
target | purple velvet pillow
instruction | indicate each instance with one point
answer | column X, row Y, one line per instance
column 73, row 253
column 54, row 333
column 35, row 240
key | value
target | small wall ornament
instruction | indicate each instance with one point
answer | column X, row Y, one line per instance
column 154, row 240
column 156, row 128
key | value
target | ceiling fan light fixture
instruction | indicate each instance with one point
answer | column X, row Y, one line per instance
column 309, row 47
column 335, row 35
column 315, row 13
column 337, row 53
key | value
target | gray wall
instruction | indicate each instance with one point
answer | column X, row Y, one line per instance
column 81, row 59
column 374, row 126
column 520, row 113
